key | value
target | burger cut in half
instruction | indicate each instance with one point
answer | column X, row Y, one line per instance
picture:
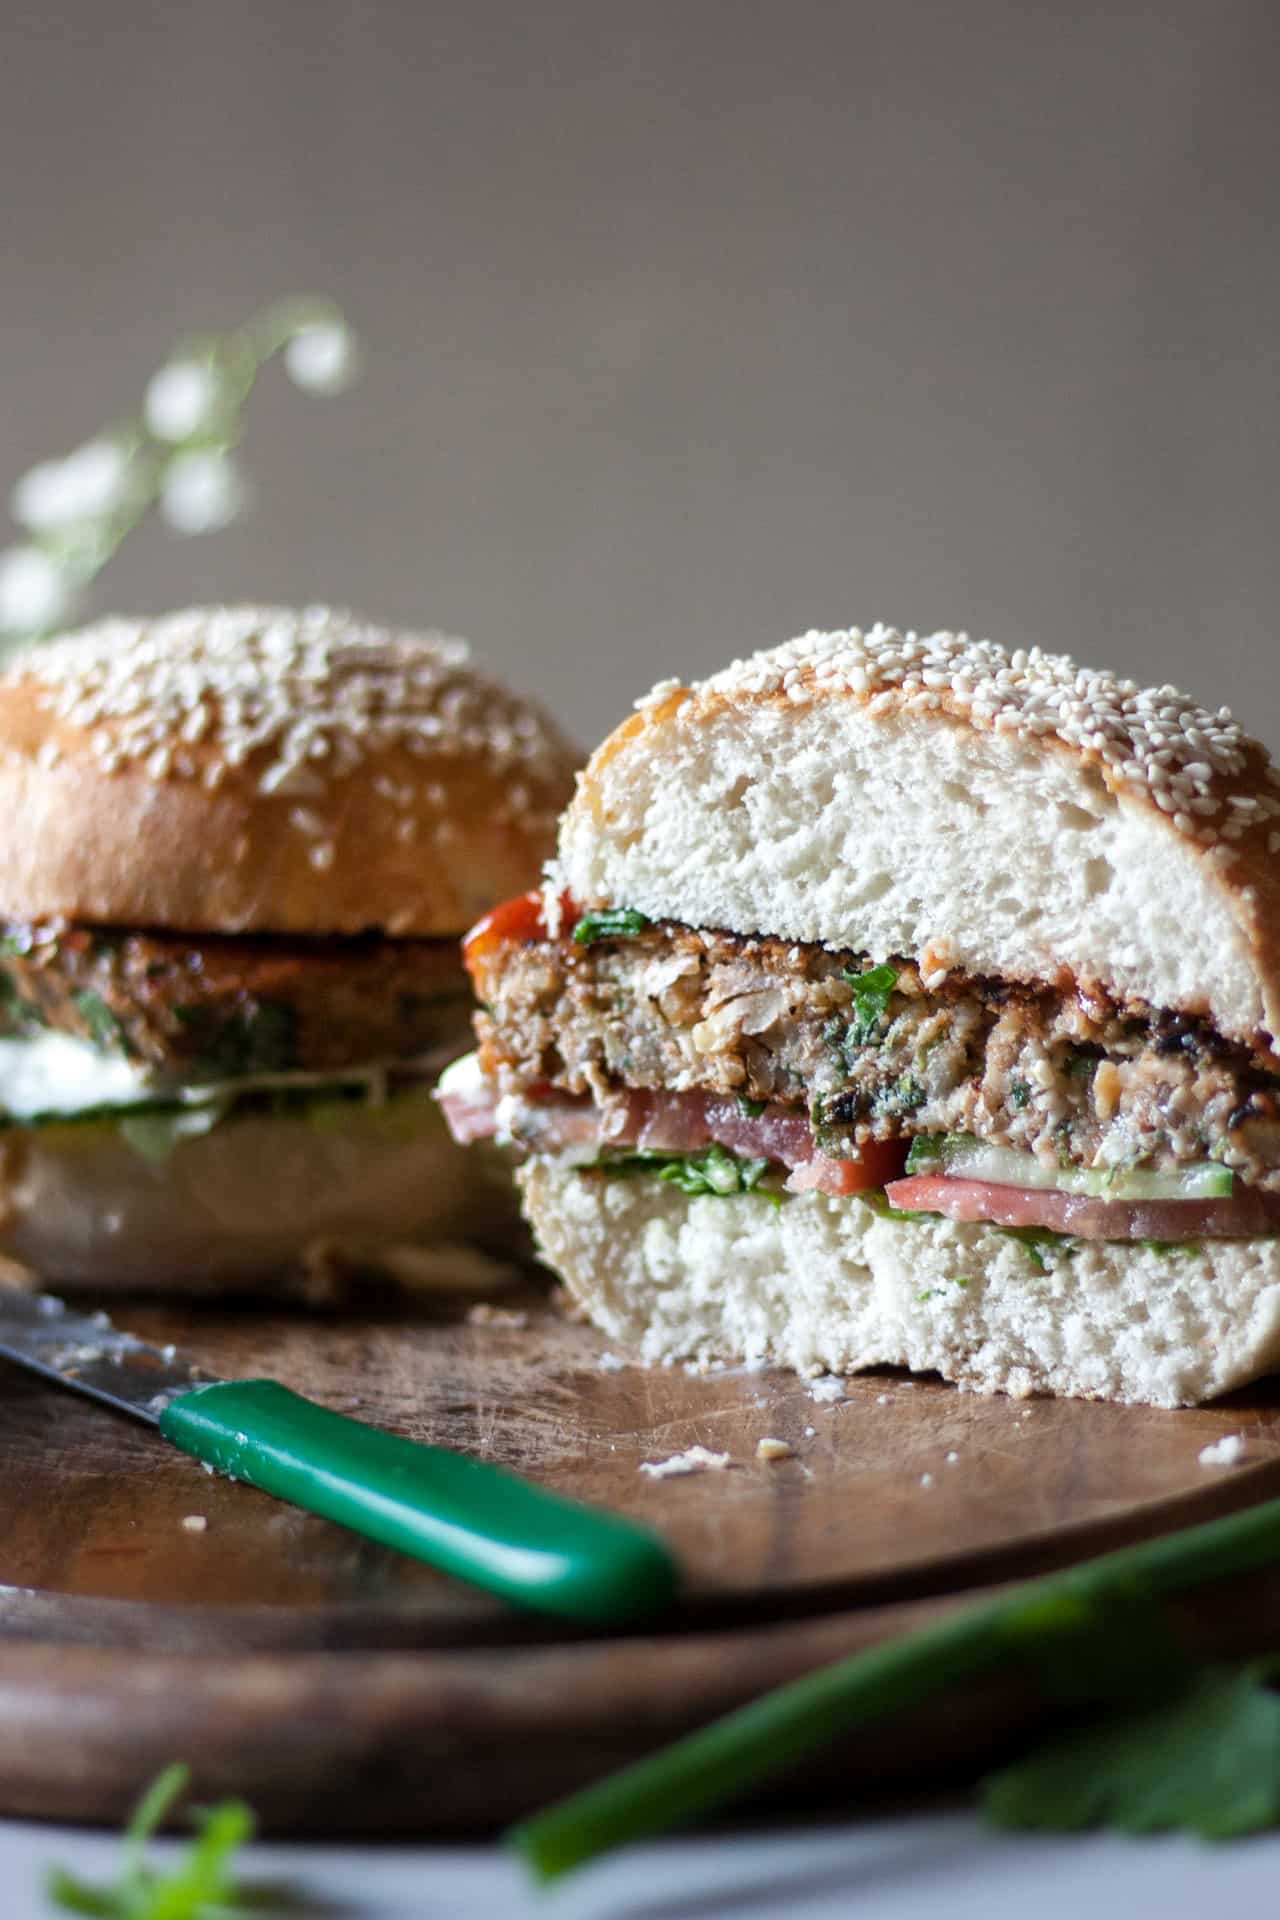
column 237, row 848
column 902, row 1001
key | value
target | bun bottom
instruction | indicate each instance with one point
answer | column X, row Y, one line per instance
column 254, row 1201
column 827, row 1283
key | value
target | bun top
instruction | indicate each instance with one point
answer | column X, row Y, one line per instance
column 1006, row 814
column 259, row 770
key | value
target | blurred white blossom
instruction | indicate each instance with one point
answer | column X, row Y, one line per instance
column 33, row 591
column 88, row 484
column 202, row 491
column 183, row 400
column 174, row 455
column 322, row 358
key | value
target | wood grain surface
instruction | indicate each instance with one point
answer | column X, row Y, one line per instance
column 317, row 1672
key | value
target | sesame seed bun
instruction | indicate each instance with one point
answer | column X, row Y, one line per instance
column 257, row 770
column 1010, row 815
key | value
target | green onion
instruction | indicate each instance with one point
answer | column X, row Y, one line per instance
column 728, row 1759
column 611, row 923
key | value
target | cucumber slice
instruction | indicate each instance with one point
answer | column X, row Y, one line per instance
column 965, row 1157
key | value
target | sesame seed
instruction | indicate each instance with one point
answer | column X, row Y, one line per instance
column 1154, row 740
column 304, row 695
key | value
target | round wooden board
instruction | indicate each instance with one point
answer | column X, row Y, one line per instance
column 282, row 1653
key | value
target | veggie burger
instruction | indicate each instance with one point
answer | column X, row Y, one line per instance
column 237, row 848
column 904, row 1001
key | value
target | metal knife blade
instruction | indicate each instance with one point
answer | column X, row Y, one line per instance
column 461, row 1515
column 85, row 1352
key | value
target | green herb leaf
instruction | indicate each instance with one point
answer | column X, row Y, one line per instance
column 903, row 1095
column 872, row 992
column 752, row 1108
column 939, row 1293
column 612, row 923
column 1208, row 1761
column 198, row 1888
column 1042, row 1246
column 104, row 1029
column 1019, row 1093
column 878, row 1200
column 711, row 1170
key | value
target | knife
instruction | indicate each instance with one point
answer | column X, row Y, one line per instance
column 467, row 1518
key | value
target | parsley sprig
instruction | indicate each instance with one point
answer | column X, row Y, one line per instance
column 200, row 1887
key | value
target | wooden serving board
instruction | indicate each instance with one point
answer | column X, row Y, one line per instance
column 339, row 1685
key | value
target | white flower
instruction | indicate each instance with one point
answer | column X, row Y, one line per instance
column 33, row 592
column 202, row 491
column 322, row 358
column 87, row 485
column 184, row 399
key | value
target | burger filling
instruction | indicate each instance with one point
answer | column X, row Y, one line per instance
column 166, row 1037
column 748, row 1064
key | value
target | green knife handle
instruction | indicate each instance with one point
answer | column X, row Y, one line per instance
column 467, row 1518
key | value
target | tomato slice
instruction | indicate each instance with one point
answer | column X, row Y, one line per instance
column 515, row 922
column 879, row 1162
column 1246, row 1214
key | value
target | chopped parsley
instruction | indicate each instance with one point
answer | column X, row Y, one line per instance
column 105, row 1030
column 1042, row 1246
column 1019, row 1094
column 872, row 992
column 611, row 923
column 711, row 1170
column 961, row 1280
column 904, row 1095
column 752, row 1108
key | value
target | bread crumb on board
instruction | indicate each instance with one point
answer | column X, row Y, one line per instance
column 827, row 1389
column 1225, row 1452
column 485, row 1315
column 194, row 1523
column 692, row 1460
column 770, row 1449
column 609, row 1363
column 926, row 1479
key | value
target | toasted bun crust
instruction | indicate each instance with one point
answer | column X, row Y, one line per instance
column 251, row 1203
column 256, row 770
column 1009, row 815
column 823, row 1283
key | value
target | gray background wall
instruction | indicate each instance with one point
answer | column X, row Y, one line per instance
column 690, row 323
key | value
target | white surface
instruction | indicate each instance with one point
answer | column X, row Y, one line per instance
column 906, row 1869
